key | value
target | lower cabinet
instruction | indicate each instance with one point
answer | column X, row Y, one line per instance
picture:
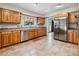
column 6, row 38
column 72, row 36
column 75, row 36
column 78, row 38
column 31, row 34
column 10, row 37
column 0, row 39
column 34, row 33
column 16, row 37
column 39, row 32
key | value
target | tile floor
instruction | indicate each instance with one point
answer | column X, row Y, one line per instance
column 43, row 46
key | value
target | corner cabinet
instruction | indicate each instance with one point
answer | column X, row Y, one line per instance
column 9, row 16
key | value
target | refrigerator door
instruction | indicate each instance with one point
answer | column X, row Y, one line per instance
column 56, row 29
column 62, row 29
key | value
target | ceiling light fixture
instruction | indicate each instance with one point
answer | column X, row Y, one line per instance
column 35, row 4
column 58, row 6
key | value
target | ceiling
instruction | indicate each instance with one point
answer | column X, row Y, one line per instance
column 43, row 8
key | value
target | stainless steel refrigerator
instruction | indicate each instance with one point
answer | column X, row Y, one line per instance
column 60, row 28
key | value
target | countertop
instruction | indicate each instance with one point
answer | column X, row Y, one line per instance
column 21, row 29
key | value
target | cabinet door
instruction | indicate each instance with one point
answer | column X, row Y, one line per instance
column 0, row 15
column 70, row 36
column 72, row 17
column 15, row 17
column 39, row 32
column 16, row 38
column 41, row 21
column 0, row 39
column 78, row 38
column 6, row 38
column 31, row 34
column 36, row 33
column 6, row 16
column 43, row 31
column 75, row 36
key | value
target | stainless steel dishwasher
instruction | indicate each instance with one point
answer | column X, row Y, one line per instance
column 24, row 35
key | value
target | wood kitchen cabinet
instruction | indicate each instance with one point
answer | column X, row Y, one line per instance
column 40, row 20
column 36, row 33
column 39, row 32
column 15, row 17
column 0, row 39
column 75, row 36
column 10, row 37
column 78, row 38
column 31, row 33
column 72, row 18
column 0, row 15
column 44, row 31
column 72, row 36
column 16, row 37
column 6, row 38
column 6, row 16
column 9, row 16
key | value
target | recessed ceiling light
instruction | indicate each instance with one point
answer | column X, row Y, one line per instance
column 35, row 4
column 59, row 5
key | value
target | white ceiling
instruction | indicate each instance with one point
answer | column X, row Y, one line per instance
column 43, row 8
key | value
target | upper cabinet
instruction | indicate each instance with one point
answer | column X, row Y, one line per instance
column 6, row 15
column 72, row 18
column 9, row 16
column 15, row 17
column 40, row 20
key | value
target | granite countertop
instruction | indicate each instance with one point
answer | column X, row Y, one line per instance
column 21, row 29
